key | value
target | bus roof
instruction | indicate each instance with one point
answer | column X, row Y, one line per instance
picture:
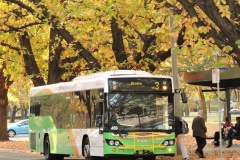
column 87, row 82
column 111, row 73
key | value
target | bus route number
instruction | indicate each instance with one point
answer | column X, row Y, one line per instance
column 114, row 128
column 156, row 87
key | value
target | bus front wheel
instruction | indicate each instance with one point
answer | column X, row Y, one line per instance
column 149, row 158
column 86, row 150
column 47, row 152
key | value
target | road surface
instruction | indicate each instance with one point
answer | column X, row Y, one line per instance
column 19, row 156
column 20, row 137
column 25, row 156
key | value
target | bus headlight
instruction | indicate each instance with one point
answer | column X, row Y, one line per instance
column 117, row 143
column 113, row 142
column 166, row 143
column 170, row 142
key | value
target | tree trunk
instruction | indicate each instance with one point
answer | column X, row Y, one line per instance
column 117, row 45
column 55, row 51
column 23, row 111
column 3, row 117
column 202, row 101
column 3, row 105
column 13, row 116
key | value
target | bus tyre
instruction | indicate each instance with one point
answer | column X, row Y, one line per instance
column 149, row 158
column 86, row 150
column 47, row 152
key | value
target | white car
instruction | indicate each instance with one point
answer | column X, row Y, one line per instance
column 234, row 110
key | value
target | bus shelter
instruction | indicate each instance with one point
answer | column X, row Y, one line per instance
column 229, row 79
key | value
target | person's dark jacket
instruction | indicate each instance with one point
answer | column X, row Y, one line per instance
column 237, row 129
column 178, row 126
column 199, row 128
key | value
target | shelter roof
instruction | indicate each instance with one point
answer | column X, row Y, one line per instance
column 229, row 78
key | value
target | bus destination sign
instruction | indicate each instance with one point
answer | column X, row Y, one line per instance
column 140, row 84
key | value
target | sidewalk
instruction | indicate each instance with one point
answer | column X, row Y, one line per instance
column 235, row 147
column 190, row 143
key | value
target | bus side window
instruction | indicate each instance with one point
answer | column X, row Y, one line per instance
column 35, row 109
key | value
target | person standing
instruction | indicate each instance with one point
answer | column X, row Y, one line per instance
column 199, row 132
column 180, row 138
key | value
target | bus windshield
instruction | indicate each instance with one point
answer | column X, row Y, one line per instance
column 140, row 112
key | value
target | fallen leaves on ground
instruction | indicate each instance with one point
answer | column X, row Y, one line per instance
column 14, row 146
column 211, row 152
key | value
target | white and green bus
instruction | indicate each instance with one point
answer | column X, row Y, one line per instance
column 75, row 118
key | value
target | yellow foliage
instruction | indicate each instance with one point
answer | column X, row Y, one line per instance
column 89, row 22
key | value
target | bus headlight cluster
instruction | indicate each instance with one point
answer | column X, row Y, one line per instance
column 169, row 142
column 113, row 142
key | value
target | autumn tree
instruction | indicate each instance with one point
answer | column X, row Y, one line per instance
column 222, row 19
column 138, row 40
column 60, row 40
column 40, row 16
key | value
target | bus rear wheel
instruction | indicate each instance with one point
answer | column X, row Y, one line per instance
column 86, row 150
column 47, row 152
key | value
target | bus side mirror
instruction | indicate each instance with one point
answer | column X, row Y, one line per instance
column 184, row 97
column 98, row 121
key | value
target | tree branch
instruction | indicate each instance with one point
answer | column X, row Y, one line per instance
column 10, row 46
column 221, row 38
column 29, row 60
column 234, row 9
column 117, row 45
column 22, row 5
column 212, row 11
column 18, row 29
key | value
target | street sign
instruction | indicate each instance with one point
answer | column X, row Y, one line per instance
column 215, row 75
